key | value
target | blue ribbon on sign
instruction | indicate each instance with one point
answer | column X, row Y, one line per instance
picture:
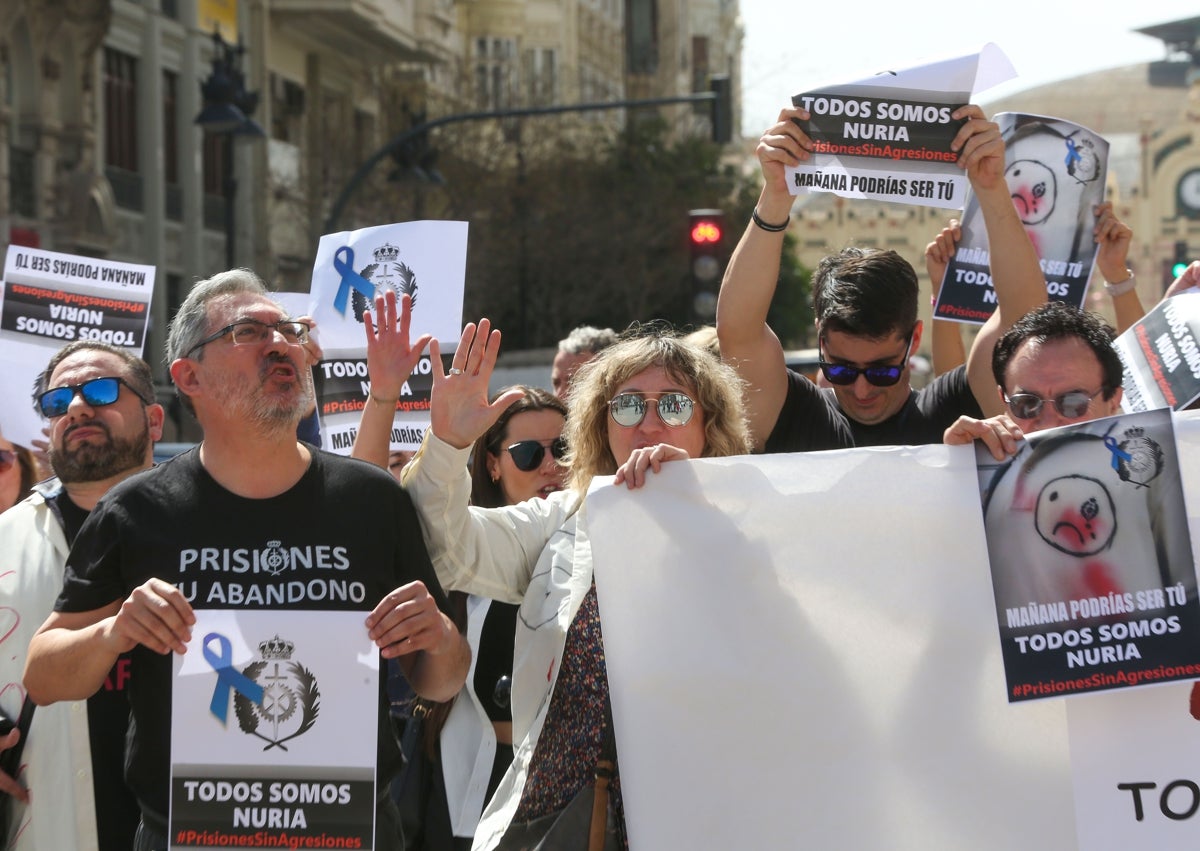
column 1073, row 155
column 350, row 279
column 1118, row 454
column 228, row 677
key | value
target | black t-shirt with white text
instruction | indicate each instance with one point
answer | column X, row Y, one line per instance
column 343, row 537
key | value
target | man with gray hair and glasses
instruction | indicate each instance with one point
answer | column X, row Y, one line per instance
column 239, row 365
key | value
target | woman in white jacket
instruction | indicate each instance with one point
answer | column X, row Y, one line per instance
column 647, row 399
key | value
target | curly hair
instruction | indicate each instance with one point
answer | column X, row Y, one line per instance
column 1057, row 320
column 486, row 493
column 716, row 386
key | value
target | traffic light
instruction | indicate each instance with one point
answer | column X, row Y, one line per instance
column 706, row 236
column 722, row 108
column 1180, row 263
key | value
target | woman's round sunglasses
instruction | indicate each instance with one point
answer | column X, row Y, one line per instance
column 629, row 409
column 97, row 392
column 527, row 455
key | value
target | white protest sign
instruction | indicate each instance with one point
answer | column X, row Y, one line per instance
column 802, row 654
column 887, row 137
column 274, row 730
column 47, row 300
column 427, row 261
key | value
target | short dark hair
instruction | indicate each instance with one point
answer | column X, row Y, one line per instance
column 137, row 371
column 486, row 493
column 865, row 292
column 1057, row 320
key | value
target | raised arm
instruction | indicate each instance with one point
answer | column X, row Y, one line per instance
column 1016, row 273
column 948, row 349
column 1112, row 261
column 747, row 342
column 390, row 361
column 485, row 551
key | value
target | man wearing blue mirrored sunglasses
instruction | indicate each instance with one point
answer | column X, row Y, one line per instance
column 865, row 304
column 102, row 424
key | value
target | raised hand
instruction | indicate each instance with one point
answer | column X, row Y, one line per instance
column 459, row 408
column 391, row 358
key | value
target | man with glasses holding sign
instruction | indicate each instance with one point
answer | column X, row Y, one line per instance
column 103, row 421
column 865, row 301
column 249, row 490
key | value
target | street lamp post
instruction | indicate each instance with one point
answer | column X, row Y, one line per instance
column 227, row 110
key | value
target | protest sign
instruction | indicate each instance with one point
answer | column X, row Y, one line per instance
column 1056, row 172
column 427, row 261
column 800, row 655
column 1161, row 356
column 1091, row 559
column 47, row 300
column 1134, row 752
column 887, row 137
column 274, row 731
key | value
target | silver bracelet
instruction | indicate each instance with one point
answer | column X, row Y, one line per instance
column 767, row 226
column 1121, row 287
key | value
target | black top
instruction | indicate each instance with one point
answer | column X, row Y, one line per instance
column 803, row 420
column 345, row 523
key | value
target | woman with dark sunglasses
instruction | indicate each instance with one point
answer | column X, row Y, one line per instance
column 646, row 399
column 470, row 738
column 18, row 472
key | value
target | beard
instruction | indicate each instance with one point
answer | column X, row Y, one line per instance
column 94, row 462
column 266, row 412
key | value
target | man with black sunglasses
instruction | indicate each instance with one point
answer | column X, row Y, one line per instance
column 1056, row 365
column 865, row 301
column 235, row 523
column 103, row 422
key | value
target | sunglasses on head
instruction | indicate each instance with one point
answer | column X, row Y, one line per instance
column 527, row 455
column 1072, row 404
column 97, row 393
column 7, row 459
column 629, row 409
column 844, row 375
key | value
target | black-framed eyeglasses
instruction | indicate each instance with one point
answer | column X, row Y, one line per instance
column 96, row 392
column 252, row 332
column 1072, row 404
column 629, row 409
column 528, row 455
column 7, row 459
column 844, row 375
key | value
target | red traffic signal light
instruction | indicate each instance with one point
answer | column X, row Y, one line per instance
column 706, row 232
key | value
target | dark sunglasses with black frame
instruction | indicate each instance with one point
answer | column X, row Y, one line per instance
column 527, row 455
column 1072, row 404
column 843, row 375
column 96, row 392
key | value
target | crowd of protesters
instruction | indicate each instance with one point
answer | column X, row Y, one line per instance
column 482, row 601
